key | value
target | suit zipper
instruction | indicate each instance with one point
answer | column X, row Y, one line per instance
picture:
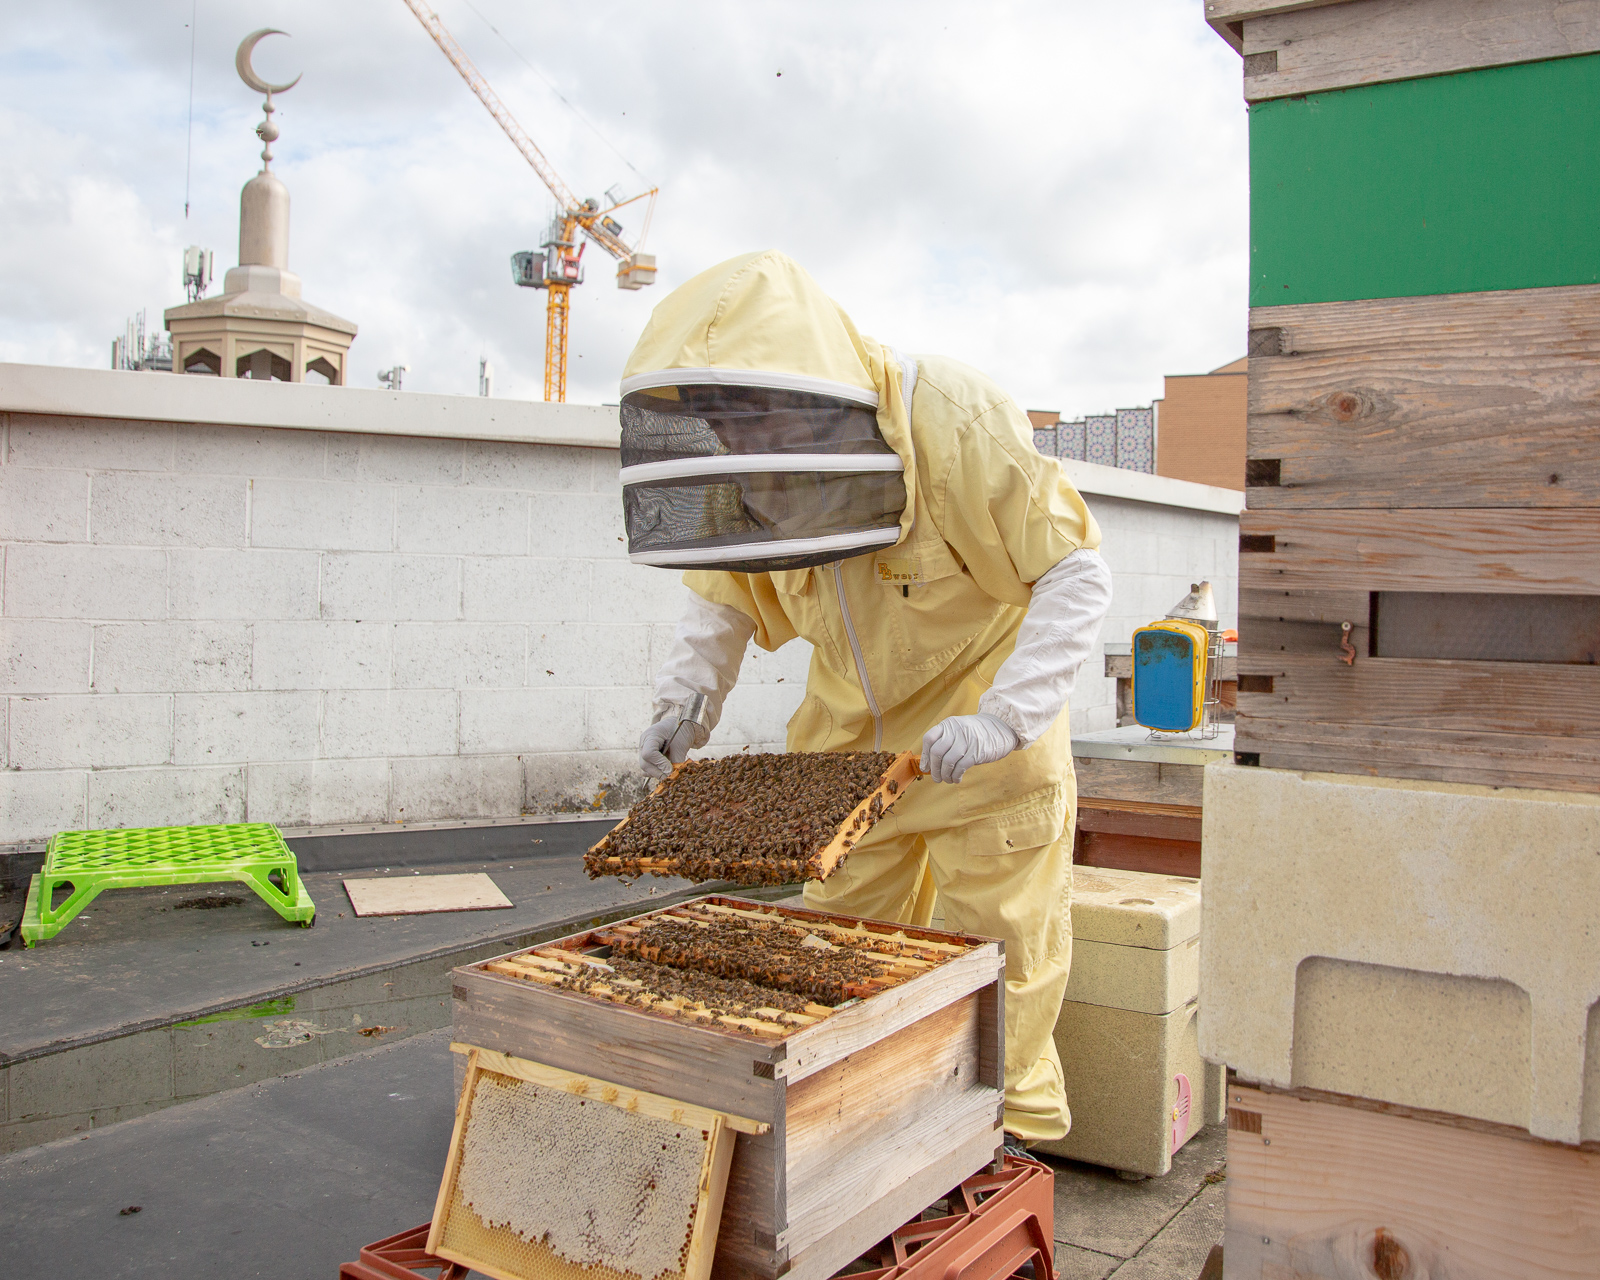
column 861, row 663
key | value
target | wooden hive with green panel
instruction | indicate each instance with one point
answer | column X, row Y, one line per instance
column 1420, row 558
column 1401, row 881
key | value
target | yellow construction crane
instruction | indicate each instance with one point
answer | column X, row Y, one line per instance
column 559, row 264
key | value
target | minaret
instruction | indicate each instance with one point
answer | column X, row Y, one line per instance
column 259, row 327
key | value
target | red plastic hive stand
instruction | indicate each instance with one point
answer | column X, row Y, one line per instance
column 401, row 1257
column 1009, row 1221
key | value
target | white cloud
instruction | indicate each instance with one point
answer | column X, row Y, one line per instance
column 1054, row 193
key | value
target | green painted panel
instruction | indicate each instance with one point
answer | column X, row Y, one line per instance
column 1481, row 180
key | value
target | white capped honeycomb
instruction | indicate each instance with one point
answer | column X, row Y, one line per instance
column 596, row 1185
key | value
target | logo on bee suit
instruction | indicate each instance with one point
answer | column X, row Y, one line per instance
column 899, row 572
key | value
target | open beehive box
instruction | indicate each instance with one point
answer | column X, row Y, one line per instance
column 769, row 818
column 872, row 1054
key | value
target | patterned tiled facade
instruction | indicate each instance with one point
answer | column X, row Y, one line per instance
column 1126, row 439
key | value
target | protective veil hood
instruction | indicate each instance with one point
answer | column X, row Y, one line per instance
column 760, row 430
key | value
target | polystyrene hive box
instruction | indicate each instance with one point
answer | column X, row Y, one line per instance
column 1127, row 1034
column 1430, row 944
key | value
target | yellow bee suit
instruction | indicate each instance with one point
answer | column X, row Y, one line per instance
column 905, row 637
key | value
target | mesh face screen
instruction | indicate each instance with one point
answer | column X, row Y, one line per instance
column 556, row 1187
column 749, row 508
column 705, row 421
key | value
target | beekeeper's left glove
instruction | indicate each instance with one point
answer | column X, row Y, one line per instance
column 953, row 746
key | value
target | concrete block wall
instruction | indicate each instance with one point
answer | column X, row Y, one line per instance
column 207, row 621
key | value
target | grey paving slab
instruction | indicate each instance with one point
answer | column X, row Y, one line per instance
column 1073, row 1263
column 289, row 1177
column 1099, row 1211
column 1178, row 1251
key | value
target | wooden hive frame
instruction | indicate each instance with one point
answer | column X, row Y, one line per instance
column 875, row 1109
column 902, row 771
column 719, row 1127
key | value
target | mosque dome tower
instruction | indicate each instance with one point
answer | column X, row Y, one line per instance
column 259, row 327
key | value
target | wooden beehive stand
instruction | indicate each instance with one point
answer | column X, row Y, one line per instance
column 904, row 770
column 1419, row 583
column 876, row 1105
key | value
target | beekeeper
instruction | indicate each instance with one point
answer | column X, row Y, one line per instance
column 892, row 511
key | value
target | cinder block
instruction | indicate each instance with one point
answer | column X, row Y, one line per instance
column 167, row 510
column 203, row 449
column 396, row 588
column 522, row 720
column 44, row 657
column 616, row 717
column 38, row 505
column 434, row 789
column 459, row 656
column 89, row 444
column 122, row 1071
column 469, row 521
column 394, row 459
column 319, row 792
column 34, row 806
column 567, row 653
column 637, row 592
column 322, row 515
column 242, row 584
column 757, row 713
column 577, row 525
column 1315, row 881
column 384, row 722
column 238, row 728
column 187, row 657
column 514, row 589
column 321, row 655
column 584, row 781
column 50, row 581
column 608, row 471
column 166, row 797
column 538, row 468
column 90, row 731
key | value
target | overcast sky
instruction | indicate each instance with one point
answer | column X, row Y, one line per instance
column 1051, row 190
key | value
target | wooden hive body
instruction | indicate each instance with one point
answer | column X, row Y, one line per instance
column 1418, row 577
column 875, row 1111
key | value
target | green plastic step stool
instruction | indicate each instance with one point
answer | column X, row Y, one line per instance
column 92, row 861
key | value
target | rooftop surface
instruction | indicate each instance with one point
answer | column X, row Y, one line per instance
column 139, row 958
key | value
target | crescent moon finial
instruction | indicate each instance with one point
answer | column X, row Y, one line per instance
column 247, row 73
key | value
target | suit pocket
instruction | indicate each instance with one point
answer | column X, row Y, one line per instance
column 1039, row 820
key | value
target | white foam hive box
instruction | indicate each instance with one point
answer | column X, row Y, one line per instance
column 1127, row 1029
column 1431, row 944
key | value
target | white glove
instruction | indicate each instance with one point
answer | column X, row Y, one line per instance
column 953, row 746
column 664, row 744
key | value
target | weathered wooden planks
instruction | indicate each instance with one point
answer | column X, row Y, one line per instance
column 1488, row 759
column 1524, row 551
column 1309, row 50
column 1139, row 780
column 1479, row 400
column 1322, row 1191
